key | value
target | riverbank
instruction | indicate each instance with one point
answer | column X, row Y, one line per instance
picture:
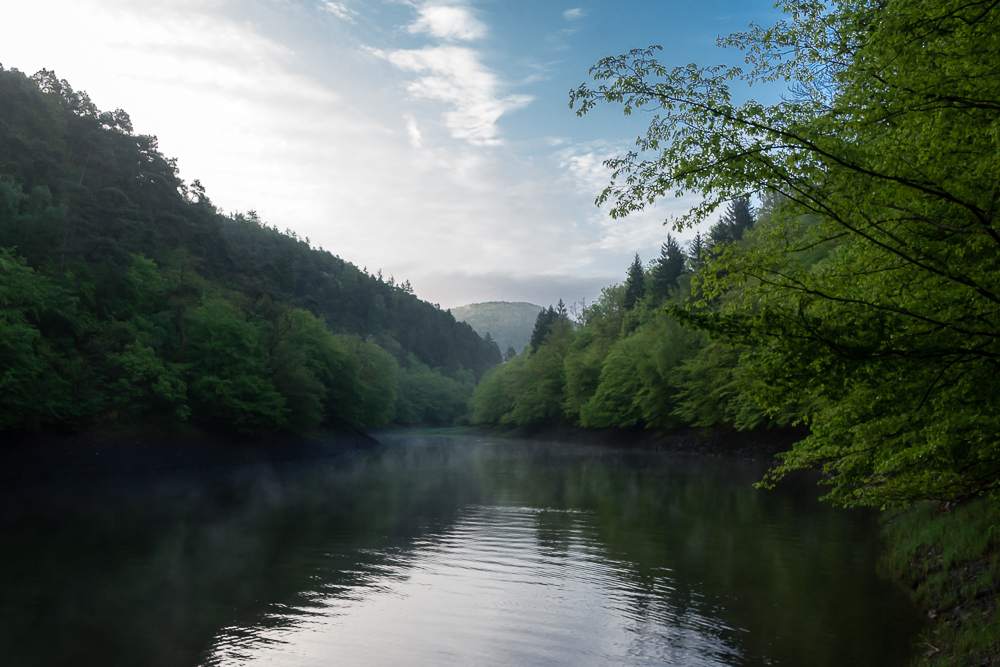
column 949, row 557
column 756, row 445
column 135, row 452
column 138, row 451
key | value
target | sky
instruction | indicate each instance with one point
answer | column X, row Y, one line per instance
column 431, row 141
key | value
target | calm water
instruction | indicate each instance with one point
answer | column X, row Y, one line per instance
column 447, row 551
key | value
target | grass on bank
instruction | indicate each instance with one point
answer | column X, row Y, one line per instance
column 950, row 557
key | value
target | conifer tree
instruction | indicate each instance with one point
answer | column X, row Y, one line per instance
column 668, row 268
column 696, row 250
column 635, row 284
column 737, row 219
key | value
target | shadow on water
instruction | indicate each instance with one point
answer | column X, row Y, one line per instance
column 518, row 552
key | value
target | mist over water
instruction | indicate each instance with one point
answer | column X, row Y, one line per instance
column 446, row 550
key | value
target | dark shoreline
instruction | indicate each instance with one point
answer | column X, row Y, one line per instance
column 43, row 456
column 757, row 445
column 114, row 454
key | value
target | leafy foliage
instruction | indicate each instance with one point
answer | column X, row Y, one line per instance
column 617, row 367
column 885, row 158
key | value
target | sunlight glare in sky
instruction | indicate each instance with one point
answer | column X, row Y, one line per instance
column 431, row 140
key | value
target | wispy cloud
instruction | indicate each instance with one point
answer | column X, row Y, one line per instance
column 584, row 165
column 584, row 171
column 448, row 22
column 455, row 76
column 574, row 14
column 413, row 131
column 338, row 9
column 356, row 156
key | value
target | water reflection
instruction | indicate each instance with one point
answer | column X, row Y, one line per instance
column 446, row 551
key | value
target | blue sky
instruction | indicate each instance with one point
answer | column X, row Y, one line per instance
column 431, row 140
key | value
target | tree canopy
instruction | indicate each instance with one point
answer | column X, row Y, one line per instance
column 127, row 297
column 883, row 159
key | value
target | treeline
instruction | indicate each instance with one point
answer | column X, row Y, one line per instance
column 629, row 361
column 126, row 296
column 869, row 304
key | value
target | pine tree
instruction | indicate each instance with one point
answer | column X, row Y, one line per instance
column 668, row 268
column 696, row 251
column 543, row 324
column 492, row 350
column 737, row 219
column 635, row 284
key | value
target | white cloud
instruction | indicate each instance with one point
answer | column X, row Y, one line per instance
column 454, row 75
column 413, row 130
column 338, row 9
column 448, row 22
column 338, row 154
column 574, row 14
column 584, row 165
column 641, row 231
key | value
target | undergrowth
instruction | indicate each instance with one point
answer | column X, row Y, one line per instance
column 949, row 556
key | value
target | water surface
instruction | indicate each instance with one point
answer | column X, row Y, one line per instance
column 447, row 551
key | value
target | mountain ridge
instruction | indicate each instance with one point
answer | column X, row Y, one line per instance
column 509, row 323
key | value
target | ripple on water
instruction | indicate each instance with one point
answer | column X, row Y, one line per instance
column 489, row 591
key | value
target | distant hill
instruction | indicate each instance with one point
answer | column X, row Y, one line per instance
column 510, row 324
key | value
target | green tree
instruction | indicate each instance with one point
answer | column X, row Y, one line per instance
column 317, row 356
column 735, row 221
column 582, row 367
column 635, row 284
column 540, row 382
column 32, row 392
column 378, row 377
column 668, row 268
column 613, row 403
column 888, row 144
column 543, row 326
column 493, row 400
column 425, row 396
column 148, row 386
column 492, row 350
column 696, row 253
column 230, row 379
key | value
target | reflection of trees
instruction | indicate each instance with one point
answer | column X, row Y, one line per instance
column 152, row 577
column 694, row 540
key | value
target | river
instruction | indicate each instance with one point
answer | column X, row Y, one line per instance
column 447, row 550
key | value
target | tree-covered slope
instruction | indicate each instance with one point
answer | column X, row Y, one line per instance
column 883, row 159
column 125, row 295
column 864, row 301
column 627, row 361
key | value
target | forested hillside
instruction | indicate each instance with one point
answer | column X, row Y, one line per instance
column 628, row 361
column 864, row 302
column 126, row 296
column 509, row 324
